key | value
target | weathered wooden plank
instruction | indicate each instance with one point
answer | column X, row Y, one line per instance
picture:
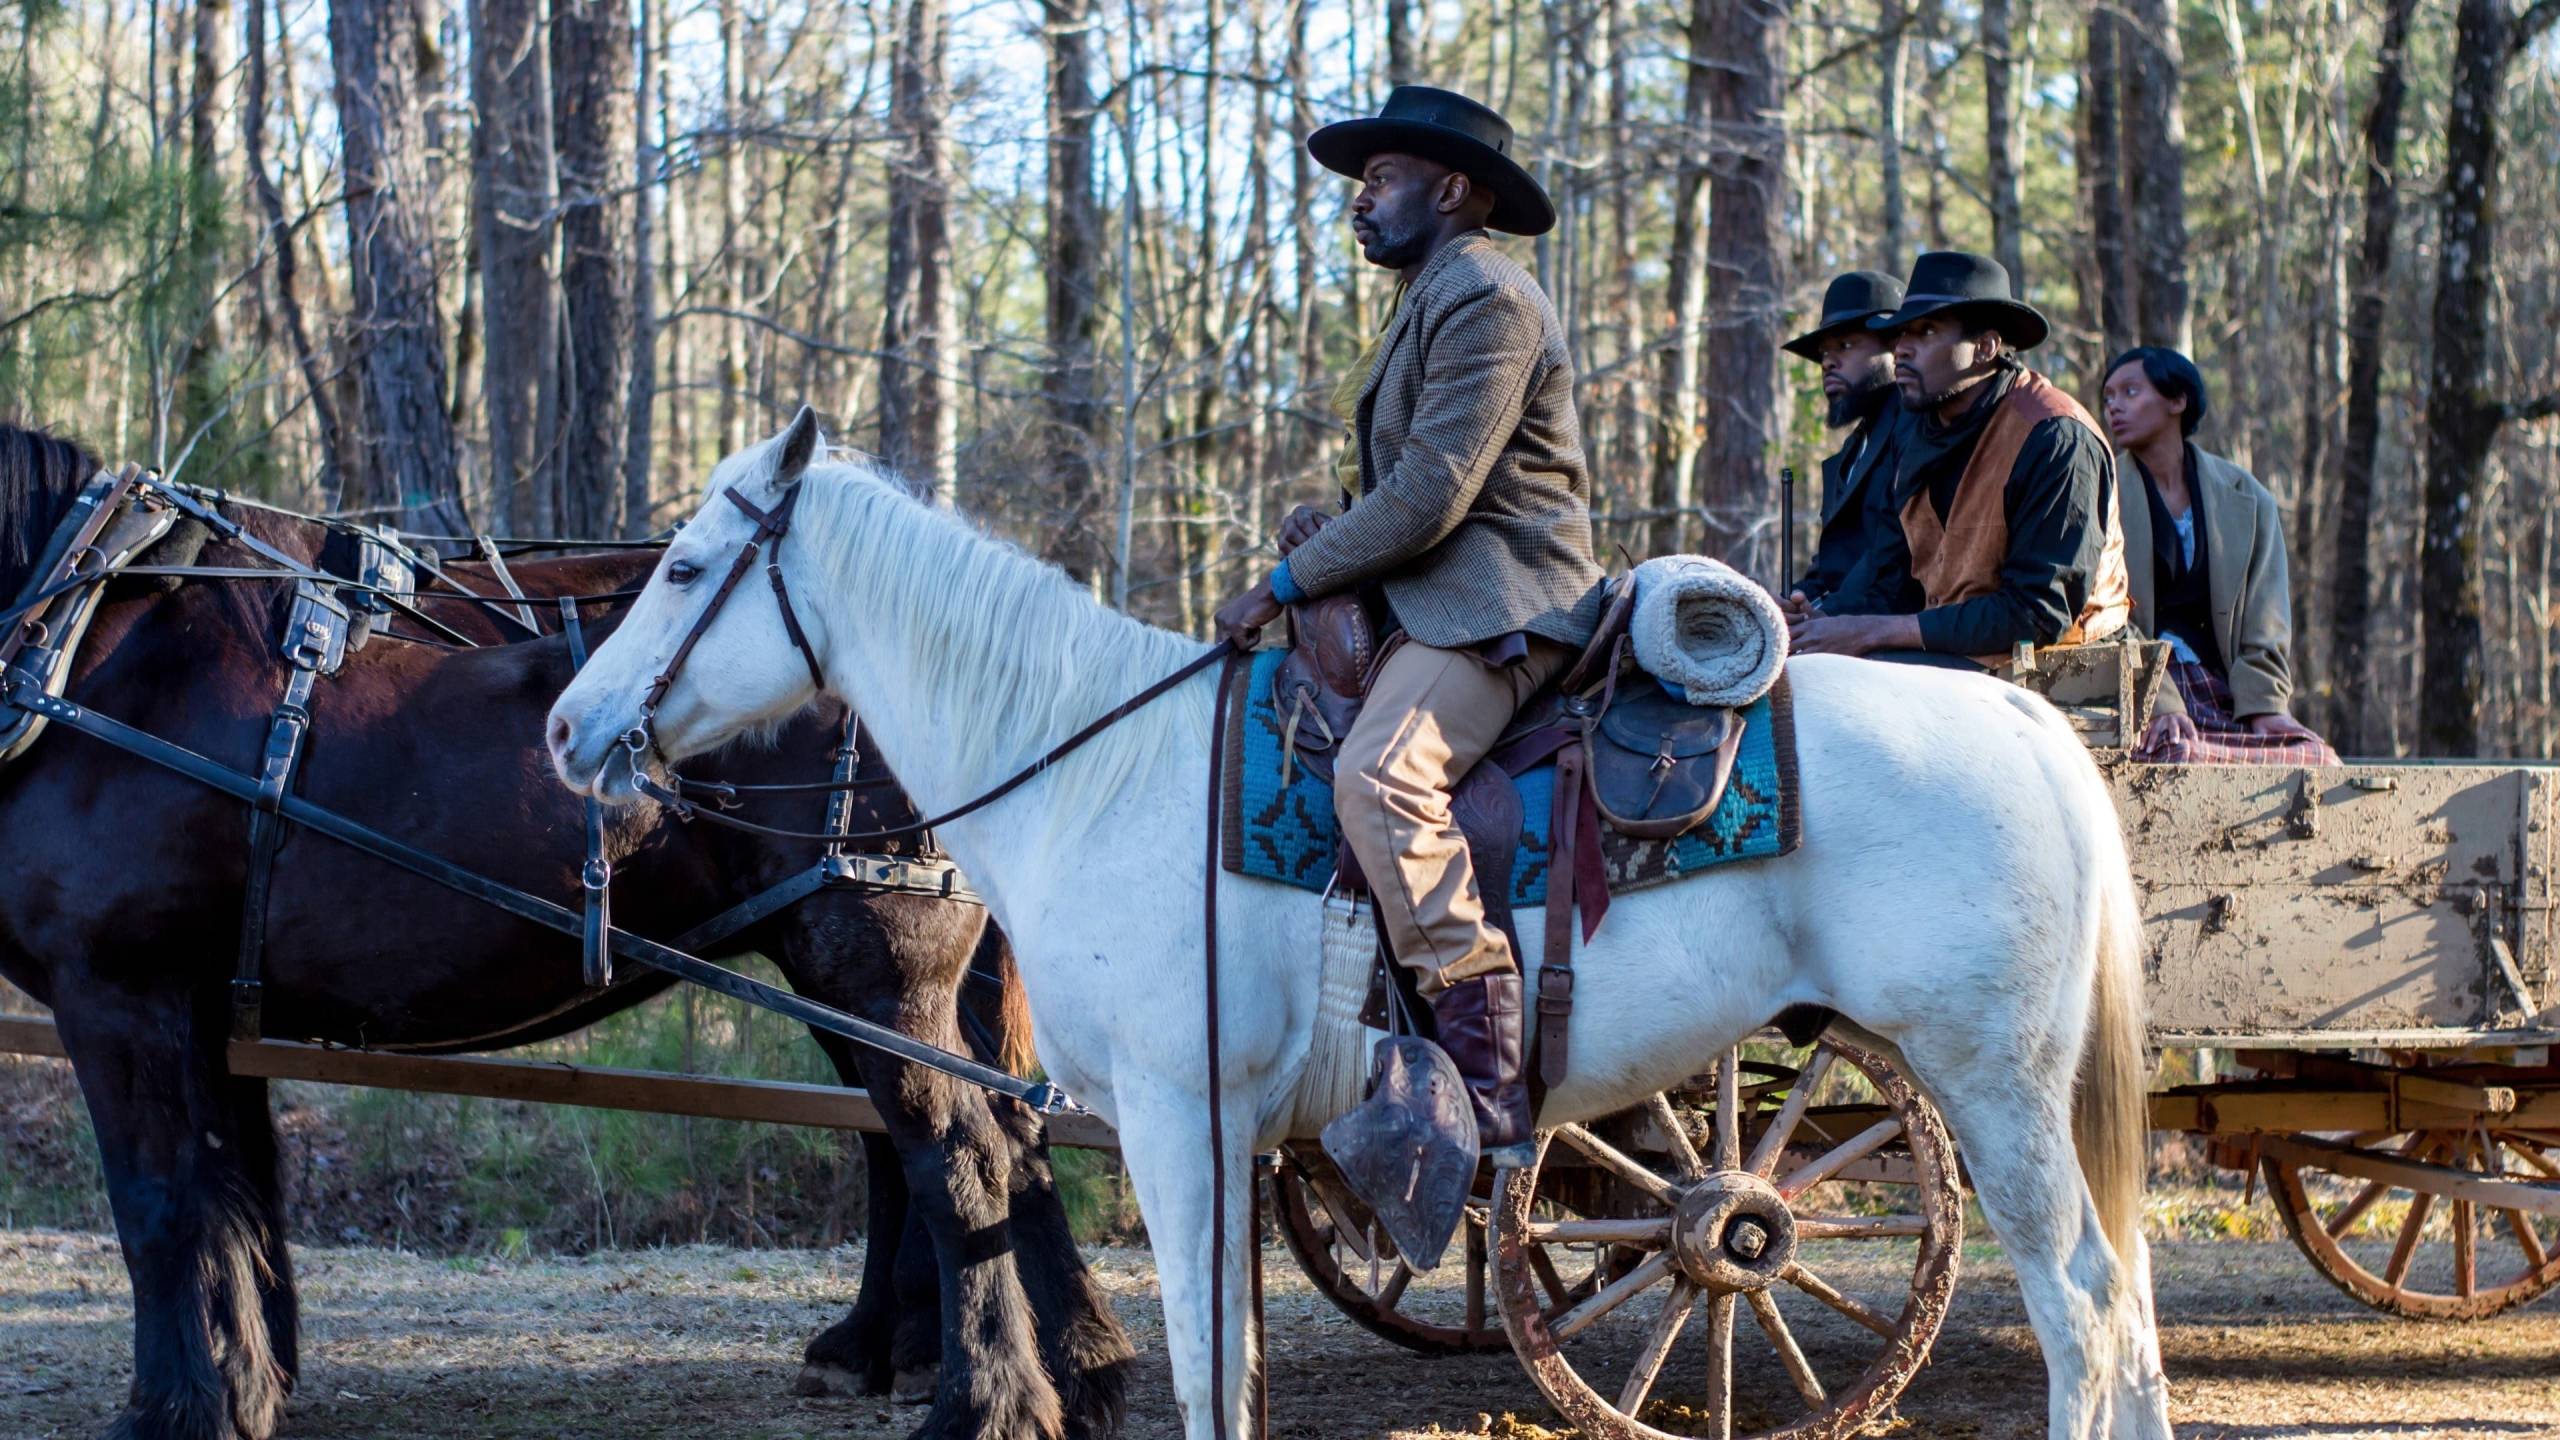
column 29, row 1035
column 550, row 1082
column 553, row 1083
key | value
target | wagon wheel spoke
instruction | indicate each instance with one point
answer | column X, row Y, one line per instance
column 2522, row 1228
column 1657, row 1347
column 1764, row 1157
column 2532, row 1155
column 1684, row 1155
column 1475, row 1271
column 1849, row 1305
column 2407, row 1245
column 1394, row 1290
column 1612, row 1295
column 1861, row 1227
column 1856, row 1148
column 1559, row 1295
column 1729, row 1117
column 1653, row 1232
column 1764, row 1308
column 1626, row 1167
column 2346, row 1219
column 1720, row 1367
column 2466, row 1252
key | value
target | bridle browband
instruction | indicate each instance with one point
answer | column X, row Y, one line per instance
column 771, row 528
column 641, row 740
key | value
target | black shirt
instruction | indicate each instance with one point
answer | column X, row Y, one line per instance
column 2182, row 594
column 1856, row 481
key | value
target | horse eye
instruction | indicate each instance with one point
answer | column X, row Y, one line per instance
column 683, row 572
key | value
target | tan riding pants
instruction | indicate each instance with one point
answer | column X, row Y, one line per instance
column 1430, row 716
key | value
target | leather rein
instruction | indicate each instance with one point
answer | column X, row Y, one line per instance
column 772, row 527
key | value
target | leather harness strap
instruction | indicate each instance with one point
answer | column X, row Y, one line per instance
column 1555, row 965
column 595, row 876
column 771, row 526
column 315, row 642
column 1224, row 649
column 1217, row 1116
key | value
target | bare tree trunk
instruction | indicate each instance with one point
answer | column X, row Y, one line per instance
column 280, row 237
column 200, row 379
column 2155, row 169
column 2102, row 175
column 592, row 110
column 1073, row 277
column 648, row 206
column 1624, row 187
column 515, row 197
column 2463, row 417
column 1402, row 43
column 2350, row 634
column 2000, row 140
column 1746, row 253
column 1675, row 449
column 1893, row 231
column 918, row 424
column 406, row 440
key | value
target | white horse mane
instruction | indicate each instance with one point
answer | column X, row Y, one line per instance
column 1035, row 655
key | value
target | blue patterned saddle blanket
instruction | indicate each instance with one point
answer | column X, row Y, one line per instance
column 1279, row 822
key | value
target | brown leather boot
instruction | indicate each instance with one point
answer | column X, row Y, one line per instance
column 1479, row 1022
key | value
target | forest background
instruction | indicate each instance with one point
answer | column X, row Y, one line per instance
column 533, row 266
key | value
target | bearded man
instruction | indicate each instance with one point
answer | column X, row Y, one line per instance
column 1858, row 392
column 1472, row 522
column 2004, row 490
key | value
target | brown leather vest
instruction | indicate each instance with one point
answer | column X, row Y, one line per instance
column 1959, row 558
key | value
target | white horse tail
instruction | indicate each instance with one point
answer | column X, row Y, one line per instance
column 2111, row 1119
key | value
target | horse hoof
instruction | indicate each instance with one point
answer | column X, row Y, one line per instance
column 915, row 1387
column 816, row 1380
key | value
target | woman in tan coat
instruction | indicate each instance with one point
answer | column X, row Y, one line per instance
column 2205, row 544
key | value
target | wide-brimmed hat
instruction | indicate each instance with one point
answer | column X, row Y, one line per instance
column 1959, row 280
column 1445, row 126
column 1848, row 304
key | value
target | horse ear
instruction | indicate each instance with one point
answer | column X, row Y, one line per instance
column 799, row 445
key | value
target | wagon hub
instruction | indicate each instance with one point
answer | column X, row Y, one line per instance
column 1732, row 1231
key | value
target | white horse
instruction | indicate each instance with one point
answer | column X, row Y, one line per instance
column 1961, row 891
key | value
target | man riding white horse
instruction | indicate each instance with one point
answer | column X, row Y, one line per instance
column 1472, row 521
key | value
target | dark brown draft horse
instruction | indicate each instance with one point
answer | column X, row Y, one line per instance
column 113, row 865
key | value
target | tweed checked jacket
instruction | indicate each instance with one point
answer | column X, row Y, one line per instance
column 1474, row 515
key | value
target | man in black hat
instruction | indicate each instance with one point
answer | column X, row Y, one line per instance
column 2003, row 493
column 1857, row 386
column 1472, row 520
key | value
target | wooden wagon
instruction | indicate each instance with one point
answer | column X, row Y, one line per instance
column 2361, row 959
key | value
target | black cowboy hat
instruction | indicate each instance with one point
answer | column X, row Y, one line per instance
column 1445, row 126
column 1973, row 284
column 1848, row 304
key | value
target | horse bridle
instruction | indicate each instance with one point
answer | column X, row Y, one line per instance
column 771, row 527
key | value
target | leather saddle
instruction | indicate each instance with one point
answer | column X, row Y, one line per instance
column 1654, row 766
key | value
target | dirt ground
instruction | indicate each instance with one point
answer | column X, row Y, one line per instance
column 704, row 1341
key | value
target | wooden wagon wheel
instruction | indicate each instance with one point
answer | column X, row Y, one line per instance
column 1355, row 1265
column 2411, row 1224
column 1677, row 1231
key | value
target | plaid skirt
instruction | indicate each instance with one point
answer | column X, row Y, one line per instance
column 2223, row 738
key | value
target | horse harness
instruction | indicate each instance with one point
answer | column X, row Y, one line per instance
column 121, row 514
column 772, row 527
